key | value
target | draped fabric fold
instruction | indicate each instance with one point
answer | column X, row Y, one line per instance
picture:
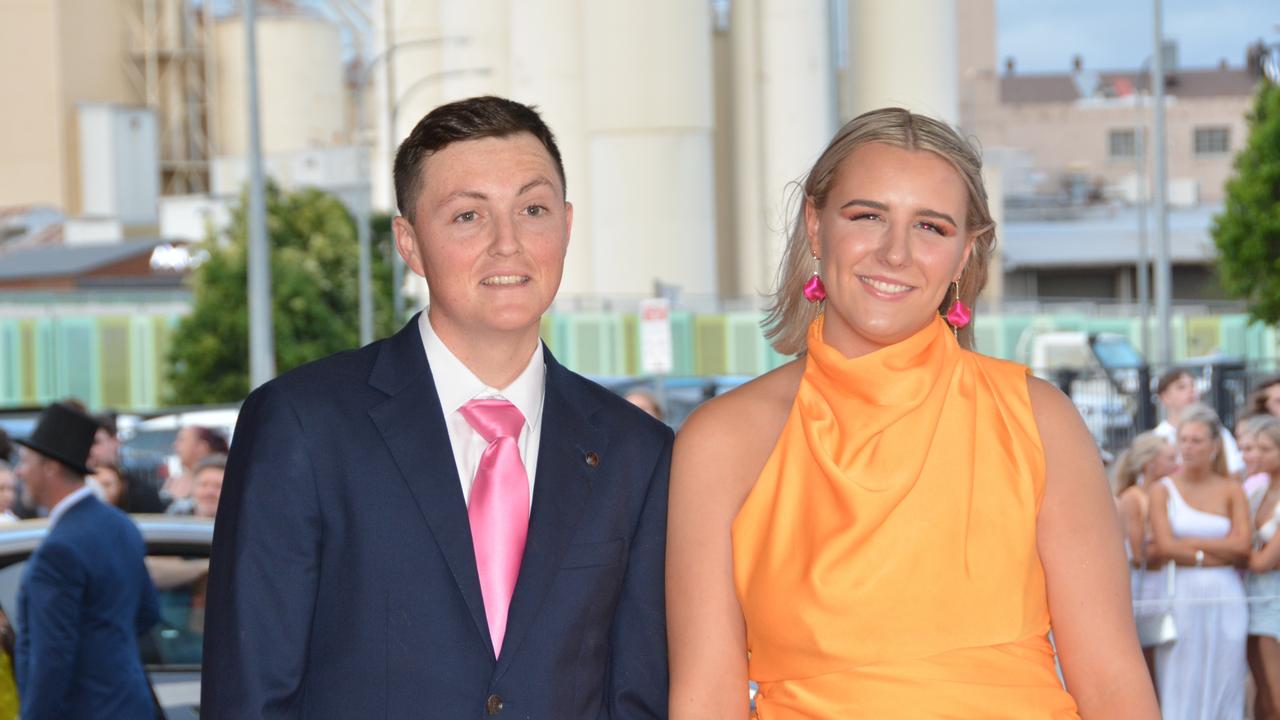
column 886, row 557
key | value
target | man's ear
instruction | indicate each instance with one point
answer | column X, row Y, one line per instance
column 407, row 244
column 568, row 223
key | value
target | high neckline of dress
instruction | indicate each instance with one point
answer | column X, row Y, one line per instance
column 901, row 373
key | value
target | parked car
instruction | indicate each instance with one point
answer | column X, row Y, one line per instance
column 177, row 556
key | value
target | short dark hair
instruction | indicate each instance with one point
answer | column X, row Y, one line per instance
column 471, row 119
column 1171, row 377
column 215, row 440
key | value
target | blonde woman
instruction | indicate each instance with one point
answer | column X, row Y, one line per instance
column 880, row 527
column 1246, row 431
column 1264, row 581
column 1200, row 521
column 1148, row 459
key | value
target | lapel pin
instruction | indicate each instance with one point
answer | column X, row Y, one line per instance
column 592, row 458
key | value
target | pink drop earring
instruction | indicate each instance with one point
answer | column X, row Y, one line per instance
column 958, row 314
column 814, row 290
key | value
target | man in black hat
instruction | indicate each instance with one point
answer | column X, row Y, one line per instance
column 85, row 594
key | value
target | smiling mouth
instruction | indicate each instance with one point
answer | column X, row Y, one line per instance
column 887, row 288
column 505, row 280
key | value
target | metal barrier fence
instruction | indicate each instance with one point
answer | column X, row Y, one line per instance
column 1119, row 403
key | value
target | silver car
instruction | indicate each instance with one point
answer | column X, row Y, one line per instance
column 178, row 559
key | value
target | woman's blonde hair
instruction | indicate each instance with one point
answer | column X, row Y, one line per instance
column 789, row 313
column 1129, row 466
column 1268, row 425
column 1203, row 414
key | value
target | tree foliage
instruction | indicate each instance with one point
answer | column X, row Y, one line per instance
column 1247, row 232
column 314, row 288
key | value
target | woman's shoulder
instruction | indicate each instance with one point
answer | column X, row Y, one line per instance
column 731, row 436
column 1133, row 495
column 1229, row 486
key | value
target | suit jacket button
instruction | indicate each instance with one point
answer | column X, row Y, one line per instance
column 592, row 459
column 493, row 705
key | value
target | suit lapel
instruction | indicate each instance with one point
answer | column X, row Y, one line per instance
column 561, row 487
column 412, row 424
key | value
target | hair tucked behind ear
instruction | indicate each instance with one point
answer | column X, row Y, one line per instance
column 789, row 314
column 1128, row 468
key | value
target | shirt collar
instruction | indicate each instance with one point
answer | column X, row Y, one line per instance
column 65, row 504
column 456, row 384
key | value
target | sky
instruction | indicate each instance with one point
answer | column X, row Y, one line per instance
column 1043, row 35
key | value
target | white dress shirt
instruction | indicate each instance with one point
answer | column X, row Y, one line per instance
column 60, row 508
column 1235, row 459
column 456, row 385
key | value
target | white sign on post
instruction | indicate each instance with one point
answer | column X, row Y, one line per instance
column 656, row 357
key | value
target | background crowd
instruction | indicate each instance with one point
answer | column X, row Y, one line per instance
column 1198, row 507
column 193, row 490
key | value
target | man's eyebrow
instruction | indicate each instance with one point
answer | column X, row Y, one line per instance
column 473, row 194
column 477, row 195
column 533, row 184
column 924, row 212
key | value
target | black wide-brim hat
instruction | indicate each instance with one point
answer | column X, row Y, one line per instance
column 65, row 434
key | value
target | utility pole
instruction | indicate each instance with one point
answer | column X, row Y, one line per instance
column 1163, row 274
column 262, row 355
column 1144, row 256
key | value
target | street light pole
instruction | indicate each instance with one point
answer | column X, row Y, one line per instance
column 1144, row 274
column 262, row 359
column 1164, row 276
column 362, row 207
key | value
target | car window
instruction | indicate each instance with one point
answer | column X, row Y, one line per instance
column 10, row 578
column 182, row 584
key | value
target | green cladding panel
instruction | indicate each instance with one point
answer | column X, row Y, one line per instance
column 115, row 361
column 710, row 345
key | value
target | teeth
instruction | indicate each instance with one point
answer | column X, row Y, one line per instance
column 886, row 287
column 504, row 280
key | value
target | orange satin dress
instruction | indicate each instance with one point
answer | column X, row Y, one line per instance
column 886, row 557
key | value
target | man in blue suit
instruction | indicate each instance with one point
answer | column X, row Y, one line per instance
column 85, row 595
column 447, row 523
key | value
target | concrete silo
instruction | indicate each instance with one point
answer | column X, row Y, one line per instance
column 300, row 81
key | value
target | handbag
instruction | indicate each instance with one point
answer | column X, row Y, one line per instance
column 1155, row 621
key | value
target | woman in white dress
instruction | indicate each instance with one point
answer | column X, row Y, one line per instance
column 1264, row 579
column 1200, row 521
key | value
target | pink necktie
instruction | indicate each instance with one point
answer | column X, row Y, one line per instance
column 498, row 508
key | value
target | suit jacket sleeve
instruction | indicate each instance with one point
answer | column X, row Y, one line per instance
column 54, row 591
column 263, row 568
column 637, row 684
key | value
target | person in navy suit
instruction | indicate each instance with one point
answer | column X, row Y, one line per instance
column 85, row 595
column 447, row 523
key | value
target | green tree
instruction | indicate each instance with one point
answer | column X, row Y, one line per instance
column 314, row 288
column 1247, row 232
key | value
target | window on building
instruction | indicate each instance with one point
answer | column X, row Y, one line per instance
column 1122, row 144
column 1212, row 140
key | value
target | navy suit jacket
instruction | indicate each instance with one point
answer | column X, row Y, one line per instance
column 85, row 598
column 343, row 579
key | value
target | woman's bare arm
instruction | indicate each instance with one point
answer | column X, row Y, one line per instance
column 1088, row 583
